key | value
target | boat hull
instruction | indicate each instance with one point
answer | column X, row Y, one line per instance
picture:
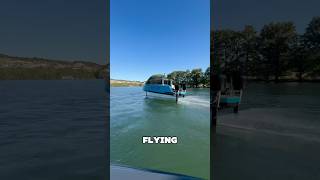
column 162, row 91
column 159, row 88
column 159, row 95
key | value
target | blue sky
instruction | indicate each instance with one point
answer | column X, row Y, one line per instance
column 55, row 29
column 235, row 15
column 150, row 37
column 144, row 32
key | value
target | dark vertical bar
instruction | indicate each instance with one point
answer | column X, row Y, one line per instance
column 215, row 87
column 107, row 80
column 212, row 114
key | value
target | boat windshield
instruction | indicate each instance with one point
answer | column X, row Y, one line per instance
column 158, row 79
column 167, row 82
column 154, row 80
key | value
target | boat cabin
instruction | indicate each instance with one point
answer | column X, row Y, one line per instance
column 159, row 79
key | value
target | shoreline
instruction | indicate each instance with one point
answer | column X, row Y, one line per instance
column 140, row 85
column 284, row 80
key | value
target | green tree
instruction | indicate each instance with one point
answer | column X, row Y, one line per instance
column 312, row 41
column 178, row 76
column 188, row 77
column 205, row 80
column 299, row 57
column 196, row 75
column 312, row 34
column 251, row 55
column 275, row 40
column 228, row 50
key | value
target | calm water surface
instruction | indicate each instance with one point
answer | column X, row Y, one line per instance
column 133, row 116
column 285, row 107
column 56, row 130
column 52, row 130
column 275, row 135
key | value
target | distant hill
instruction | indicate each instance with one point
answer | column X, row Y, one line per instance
column 122, row 83
column 20, row 68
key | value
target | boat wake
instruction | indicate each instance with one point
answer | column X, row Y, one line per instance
column 195, row 101
column 275, row 121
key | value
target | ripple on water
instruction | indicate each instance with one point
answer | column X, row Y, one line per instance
column 133, row 116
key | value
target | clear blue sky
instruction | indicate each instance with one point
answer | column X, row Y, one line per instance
column 150, row 37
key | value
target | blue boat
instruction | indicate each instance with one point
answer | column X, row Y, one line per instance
column 161, row 86
column 231, row 93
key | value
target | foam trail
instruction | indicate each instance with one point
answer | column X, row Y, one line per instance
column 195, row 101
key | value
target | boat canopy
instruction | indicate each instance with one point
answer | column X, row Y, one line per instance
column 158, row 79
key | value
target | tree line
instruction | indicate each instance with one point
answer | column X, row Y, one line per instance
column 274, row 53
column 194, row 78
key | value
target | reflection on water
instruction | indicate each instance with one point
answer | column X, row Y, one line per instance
column 133, row 115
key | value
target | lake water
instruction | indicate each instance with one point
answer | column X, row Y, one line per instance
column 133, row 116
column 52, row 130
column 289, row 108
column 56, row 130
column 275, row 135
